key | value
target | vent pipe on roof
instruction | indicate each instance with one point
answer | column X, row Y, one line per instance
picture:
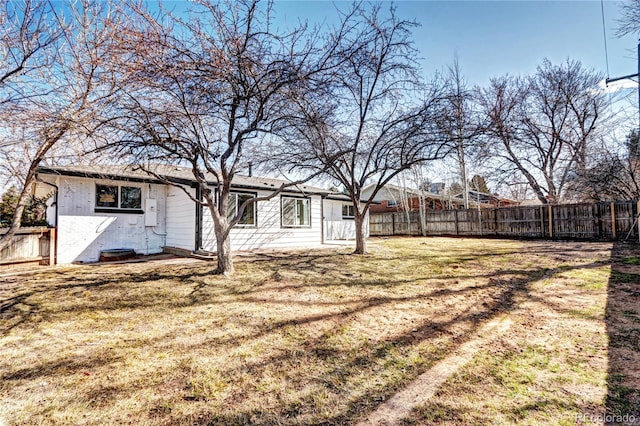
column 250, row 169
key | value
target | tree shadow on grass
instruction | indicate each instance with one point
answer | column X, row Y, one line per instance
column 507, row 293
column 623, row 330
column 68, row 365
column 342, row 368
column 341, row 365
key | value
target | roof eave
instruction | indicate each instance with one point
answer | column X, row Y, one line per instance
column 167, row 180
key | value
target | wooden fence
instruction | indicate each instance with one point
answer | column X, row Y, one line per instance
column 601, row 221
column 30, row 245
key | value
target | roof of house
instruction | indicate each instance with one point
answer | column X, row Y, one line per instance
column 531, row 202
column 412, row 192
column 177, row 174
column 484, row 195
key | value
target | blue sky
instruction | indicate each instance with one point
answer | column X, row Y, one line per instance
column 493, row 38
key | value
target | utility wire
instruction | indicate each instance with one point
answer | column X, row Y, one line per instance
column 604, row 36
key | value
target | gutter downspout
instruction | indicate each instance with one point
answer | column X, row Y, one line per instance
column 198, row 219
column 322, row 219
column 55, row 202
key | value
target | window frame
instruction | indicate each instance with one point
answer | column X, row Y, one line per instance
column 349, row 207
column 296, row 199
column 253, row 205
column 118, row 195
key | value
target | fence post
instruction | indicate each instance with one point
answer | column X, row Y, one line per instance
column 550, row 221
column 393, row 224
column 409, row 227
column 613, row 220
column 597, row 215
column 455, row 213
column 638, row 219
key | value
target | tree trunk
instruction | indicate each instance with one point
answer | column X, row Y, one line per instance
column 223, row 244
column 361, row 242
column 422, row 210
column 463, row 174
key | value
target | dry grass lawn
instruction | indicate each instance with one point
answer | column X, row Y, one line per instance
column 324, row 337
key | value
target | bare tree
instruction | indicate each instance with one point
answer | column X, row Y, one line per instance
column 27, row 39
column 55, row 85
column 365, row 126
column 26, row 35
column 541, row 126
column 614, row 173
column 421, row 187
column 405, row 195
column 629, row 21
column 459, row 120
column 206, row 87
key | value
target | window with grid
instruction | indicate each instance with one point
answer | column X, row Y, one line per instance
column 347, row 211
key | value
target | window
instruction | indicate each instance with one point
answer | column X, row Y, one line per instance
column 127, row 199
column 296, row 211
column 347, row 211
column 392, row 203
column 248, row 215
column 130, row 197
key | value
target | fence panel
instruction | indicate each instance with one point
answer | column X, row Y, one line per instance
column 577, row 221
column 441, row 222
column 29, row 245
column 603, row 221
column 404, row 225
column 528, row 221
column 626, row 218
column 468, row 222
column 381, row 224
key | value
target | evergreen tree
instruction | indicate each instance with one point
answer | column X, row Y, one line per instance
column 34, row 213
column 478, row 183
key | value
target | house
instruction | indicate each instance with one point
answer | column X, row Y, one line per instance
column 99, row 208
column 487, row 200
column 393, row 198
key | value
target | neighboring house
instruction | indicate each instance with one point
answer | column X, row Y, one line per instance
column 392, row 198
column 487, row 200
column 101, row 208
column 530, row 202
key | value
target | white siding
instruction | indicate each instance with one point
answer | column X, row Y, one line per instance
column 268, row 233
column 83, row 233
column 337, row 228
column 181, row 225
